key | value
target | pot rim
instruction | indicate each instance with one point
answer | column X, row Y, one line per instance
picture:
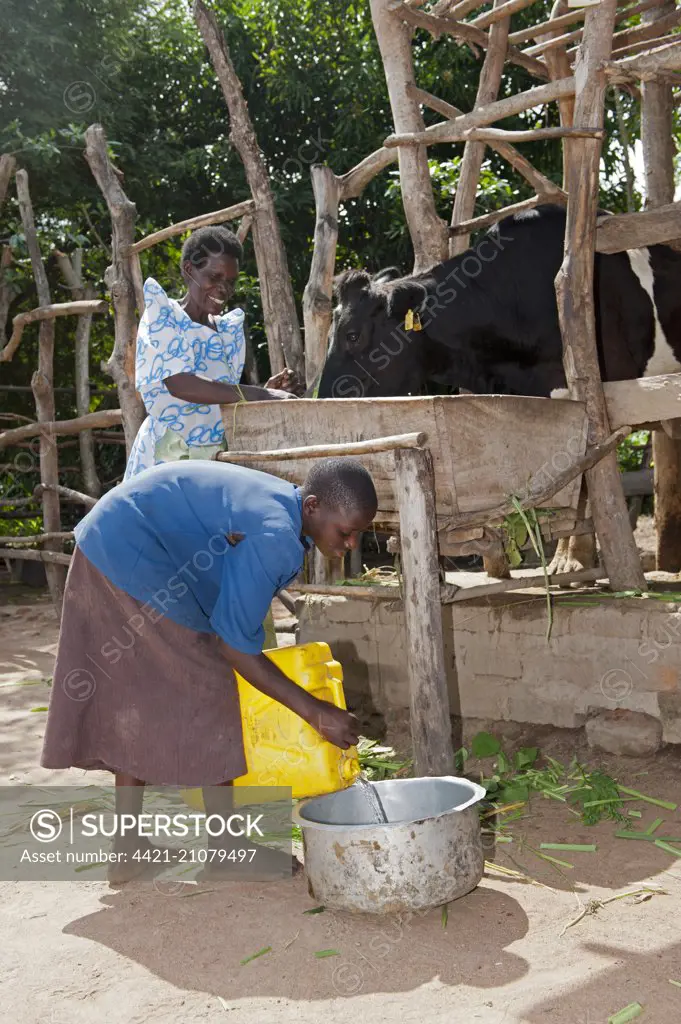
column 477, row 794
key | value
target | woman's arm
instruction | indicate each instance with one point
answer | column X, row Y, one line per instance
column 335, row 725
column 190, row 388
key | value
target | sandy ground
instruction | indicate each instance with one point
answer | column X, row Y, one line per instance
column 82, row 952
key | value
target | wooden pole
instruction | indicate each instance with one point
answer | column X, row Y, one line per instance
column 317, row 297
column 38, row 538
column 194, row 223
column 558, row 63
column 7, row 168
column 68, row 494
column 120, row 280
column 6, row 293
column 102, row 418
column 469, row 34
column 54, row 560
column 574, row 288
column 21, row 320
column 542, row 185
column 8, row 165
column 278, row 303
column 430, row 722
column 474, row 151
column 657, row 139
column 322, row 451
column 452, row 131
column 42, row 384
column 72, row 271
column 427, row 230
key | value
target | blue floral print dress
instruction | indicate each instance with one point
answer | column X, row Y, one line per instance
column 170, row 342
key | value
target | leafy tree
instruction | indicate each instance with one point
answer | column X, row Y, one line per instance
column 313, row 79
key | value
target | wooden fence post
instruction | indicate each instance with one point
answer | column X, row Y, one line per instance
column 278, row 303
column 120, row 278
column 428, row 232
column 574, row 288
column 317, row 297
column 474, row 152
column 72, row 271
column 657, row 104
column 42, row 383
column 430, row 723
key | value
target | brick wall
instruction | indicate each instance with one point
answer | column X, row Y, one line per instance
column 609, row 654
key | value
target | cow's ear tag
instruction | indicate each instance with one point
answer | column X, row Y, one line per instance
column 409, row 320
column 417, row 322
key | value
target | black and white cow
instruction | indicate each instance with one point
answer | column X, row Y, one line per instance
column 490, row 322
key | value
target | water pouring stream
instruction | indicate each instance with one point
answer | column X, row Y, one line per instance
column 373, row 799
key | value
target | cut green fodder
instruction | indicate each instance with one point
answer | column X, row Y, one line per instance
column 380, row 762
column 254, row 956
column 591, row 795
column 630, row 1012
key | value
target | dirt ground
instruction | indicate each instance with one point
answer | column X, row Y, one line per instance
column 82, row 952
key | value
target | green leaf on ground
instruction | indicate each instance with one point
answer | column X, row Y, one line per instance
column 485, row 745
column 261, row 952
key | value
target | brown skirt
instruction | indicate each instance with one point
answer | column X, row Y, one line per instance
column 136, row 693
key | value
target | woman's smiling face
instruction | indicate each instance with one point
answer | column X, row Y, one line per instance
column 211, row 285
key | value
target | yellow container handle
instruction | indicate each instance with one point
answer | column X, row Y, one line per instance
column 349, row 768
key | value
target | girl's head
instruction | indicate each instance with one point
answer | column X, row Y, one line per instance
column 210, row 267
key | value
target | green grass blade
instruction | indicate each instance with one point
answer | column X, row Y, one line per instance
column 667, row 848
column 576, row 847
column 630, row 1012
column 261, row 952
column 667, row 804
column 321, row 954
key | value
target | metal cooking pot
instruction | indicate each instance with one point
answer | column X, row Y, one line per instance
column 429, row 852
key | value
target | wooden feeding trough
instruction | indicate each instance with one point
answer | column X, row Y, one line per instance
column 483, row 449
column 443, row 467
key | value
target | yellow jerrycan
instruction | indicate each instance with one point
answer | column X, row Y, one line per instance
column 283, row 750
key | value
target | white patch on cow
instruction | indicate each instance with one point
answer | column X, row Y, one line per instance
column 527, row 215
column 663, row 359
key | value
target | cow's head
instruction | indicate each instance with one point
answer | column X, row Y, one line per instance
column 371, row 354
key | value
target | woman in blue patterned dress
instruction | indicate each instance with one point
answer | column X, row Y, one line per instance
column 190, row 357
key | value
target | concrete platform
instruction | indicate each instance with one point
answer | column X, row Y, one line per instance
column 603, row 653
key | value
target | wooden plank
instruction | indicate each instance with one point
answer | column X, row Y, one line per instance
column 541, row 489
column 481, row 458
column 632, row 230
column 643, row 400
column 431, row 729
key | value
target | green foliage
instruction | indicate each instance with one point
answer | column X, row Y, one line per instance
column 593, row 794
column 631, row 451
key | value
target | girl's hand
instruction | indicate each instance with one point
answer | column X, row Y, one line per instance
column 287, row 380
column 271, row 394
column 337, row 726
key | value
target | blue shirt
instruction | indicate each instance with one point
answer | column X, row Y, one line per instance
column 206, row 543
